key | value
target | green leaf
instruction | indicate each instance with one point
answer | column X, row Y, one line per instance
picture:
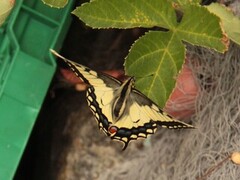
column 127, row 13
column 200, row 27
column 55, row 3
column 155, row 59
column 231, row 24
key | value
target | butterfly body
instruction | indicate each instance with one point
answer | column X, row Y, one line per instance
column 121, row 111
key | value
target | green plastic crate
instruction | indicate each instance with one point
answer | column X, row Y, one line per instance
column 26, row 70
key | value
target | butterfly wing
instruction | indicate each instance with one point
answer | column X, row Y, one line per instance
column 157, row 115
column 89, row 76
column 100, row 92
column 142, row 119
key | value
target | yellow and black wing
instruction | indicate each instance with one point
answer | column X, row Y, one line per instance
column 138, row 117
column 141, row 119
column 100, row 91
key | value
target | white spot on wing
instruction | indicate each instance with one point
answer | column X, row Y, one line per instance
column 142, row 135
column 93, row 108
column 97, row 116
column 134, row 136
column 125, row 139
column 90, row 98
column 150, row 131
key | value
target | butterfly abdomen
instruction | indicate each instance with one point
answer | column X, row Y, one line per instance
column 120, row 101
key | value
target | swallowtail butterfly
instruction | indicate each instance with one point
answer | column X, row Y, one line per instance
column 122, row 112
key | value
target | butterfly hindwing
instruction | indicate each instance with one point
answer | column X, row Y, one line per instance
column 143, row 120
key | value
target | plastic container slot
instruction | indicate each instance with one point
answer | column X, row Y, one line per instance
column 40, row 15
column 34, row 34
column 55, row 14
column 29, row 93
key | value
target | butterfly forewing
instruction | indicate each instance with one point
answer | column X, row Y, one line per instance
column 89, row 76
